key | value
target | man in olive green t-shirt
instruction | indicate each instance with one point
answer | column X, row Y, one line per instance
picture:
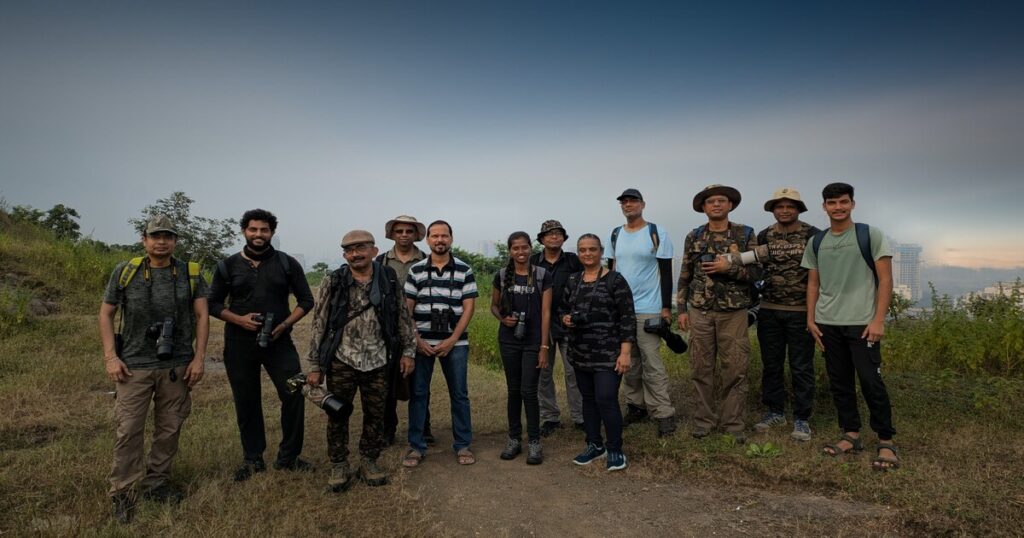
column 847, row 300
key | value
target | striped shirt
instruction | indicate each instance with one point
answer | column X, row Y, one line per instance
column 442, row 290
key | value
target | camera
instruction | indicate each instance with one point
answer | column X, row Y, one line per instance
column 441, row 320
column 327, row 401
column 761, row 285
column 661, row 328
column 708, row 257
column 163, row 333
column 520, row 330
column 266, row 333
column 655, row 325
column 579, row 318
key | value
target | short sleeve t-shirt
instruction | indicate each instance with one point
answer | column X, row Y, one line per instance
column 637, row 260
column 847, row 292
column 150, row 302
column 524, row 298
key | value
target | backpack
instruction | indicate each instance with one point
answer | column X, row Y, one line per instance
column 132, row 267
column 282, row 258
column 538, row 277
column 863, row 232
column 652, row 230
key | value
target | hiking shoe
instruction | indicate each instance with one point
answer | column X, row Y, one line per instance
column 666, row 426
column 616, row 461
column 341, row 477
column 633, row 415
column 769, row 420
column 163, row 493
column 123, row 508
column 512, row 449
column 298, row 465
column 371, row 473
column 592, row 452
column 248, row 469
column 801, row 430
column 549, row 427
column 699, row 433
column 534, row 453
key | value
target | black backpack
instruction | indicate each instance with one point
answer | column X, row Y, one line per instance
column 863, row 232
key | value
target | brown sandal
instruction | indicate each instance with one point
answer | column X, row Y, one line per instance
column 413, row 458
column 465, row 457
column 886, row 464
column 836, row 450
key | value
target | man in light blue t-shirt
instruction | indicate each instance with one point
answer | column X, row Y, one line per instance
column 643, row 254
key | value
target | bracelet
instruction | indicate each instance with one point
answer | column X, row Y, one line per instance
column 545, row 346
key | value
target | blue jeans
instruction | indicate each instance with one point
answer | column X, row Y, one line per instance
column 455, row 368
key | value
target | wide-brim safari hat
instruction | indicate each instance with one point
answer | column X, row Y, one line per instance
column 785, row 193
column 713, row 190
column 421, row 229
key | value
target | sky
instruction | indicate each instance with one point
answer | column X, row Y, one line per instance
column 498, row 116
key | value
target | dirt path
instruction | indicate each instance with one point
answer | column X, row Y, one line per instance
column 499, row 498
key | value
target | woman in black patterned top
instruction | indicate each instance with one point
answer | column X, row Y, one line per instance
column 597, row 308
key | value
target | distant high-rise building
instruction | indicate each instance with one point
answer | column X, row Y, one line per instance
column 906, row 268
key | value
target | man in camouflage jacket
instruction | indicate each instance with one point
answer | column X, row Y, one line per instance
column 782, row 319
column 713, row 296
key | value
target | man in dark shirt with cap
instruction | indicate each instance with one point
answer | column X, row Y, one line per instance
column 258, row 281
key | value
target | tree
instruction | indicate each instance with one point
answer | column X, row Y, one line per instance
column 898, row 305
column 321, row 268
column 60, row 220
column 200, row 239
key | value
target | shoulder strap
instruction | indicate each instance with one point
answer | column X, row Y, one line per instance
column 128, row 271
column 380, row 258
column 538, row 278
column 615, row 239
column 193, row 278
column 285, row 264
column 816, row 242
column 222, row 270
column 501, row 277
column 609, row 282
column 863, row 232
column 652, row 229
column 748, row 232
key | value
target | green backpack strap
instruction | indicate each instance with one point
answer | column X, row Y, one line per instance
column 193, row 277
column 129, row 270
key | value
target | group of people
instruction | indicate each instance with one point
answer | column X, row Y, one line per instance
column 383, row 320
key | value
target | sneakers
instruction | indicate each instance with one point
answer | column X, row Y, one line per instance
column 341, row 477
column 124, row 508
column 801, row 430
column 163, row 493
column 633, row 415
column 770, row 420
column 616, row 461
column 534, row 453
column 248, row 469
column 371, row 473
column 666, row 426
column 549, row 427
column 512, row 449
column 592, row 452
column 298, row 465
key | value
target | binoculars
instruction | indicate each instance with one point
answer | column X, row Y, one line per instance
column 266, row 332
column 441, row 320
column 327, row 401
column 519, row 332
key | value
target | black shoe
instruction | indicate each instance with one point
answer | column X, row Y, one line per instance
column 512, row 449
column 578, row 426
column 428, row 437
column 163, row 493
column 298, row 465
column 699, row 433
column 549, row 427
column 666, row 426
column 124, row 508
column 634, row 415
column 248, row 469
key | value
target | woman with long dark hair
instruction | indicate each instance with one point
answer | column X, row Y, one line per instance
column 521, row 300
column 598, row 311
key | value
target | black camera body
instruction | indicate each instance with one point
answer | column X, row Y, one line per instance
column 163, row 333
column 519, row 332
column 579, row 318
column 266, row 333
column 655, row 325
column 441, row 320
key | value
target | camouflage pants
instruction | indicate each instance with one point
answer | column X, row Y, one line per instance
column 343, row 380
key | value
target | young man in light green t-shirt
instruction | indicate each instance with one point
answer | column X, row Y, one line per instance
column 847, row 300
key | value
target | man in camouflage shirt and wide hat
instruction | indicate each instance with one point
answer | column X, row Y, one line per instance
column 713, row 297
column 782, row 318
column 360, row 328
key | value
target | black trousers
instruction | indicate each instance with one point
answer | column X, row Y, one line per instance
column 847, row 357
column 242, row 360
column 521, row 379
column 600, row 392
column 779, row 331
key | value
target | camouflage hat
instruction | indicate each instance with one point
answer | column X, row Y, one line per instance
column 714, row 190
column 421, row 230
column 160, row 223
column 355, row 237
column 785, row 193
column 550, row 225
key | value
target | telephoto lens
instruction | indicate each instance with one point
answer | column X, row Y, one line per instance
column 327, row 401
column 165, row 342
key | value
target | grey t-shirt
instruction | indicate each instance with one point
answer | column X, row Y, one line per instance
column 148, row 302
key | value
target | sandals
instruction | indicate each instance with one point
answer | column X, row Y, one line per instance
column 886, row 464
column 465, row 457
column 836, row 450
column 412, row 458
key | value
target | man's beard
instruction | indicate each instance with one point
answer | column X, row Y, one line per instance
column 249, row 243
column 439, row 249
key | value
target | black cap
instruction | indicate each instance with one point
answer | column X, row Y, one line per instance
column 630, row 193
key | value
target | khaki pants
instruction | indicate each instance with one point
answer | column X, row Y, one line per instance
column 645, row 385
column 172, row 402
column 721, row 334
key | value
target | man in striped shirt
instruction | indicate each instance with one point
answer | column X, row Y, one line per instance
column 441, row 292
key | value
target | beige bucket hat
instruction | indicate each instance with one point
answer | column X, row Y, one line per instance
column 421, row 229
column 785, row 193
